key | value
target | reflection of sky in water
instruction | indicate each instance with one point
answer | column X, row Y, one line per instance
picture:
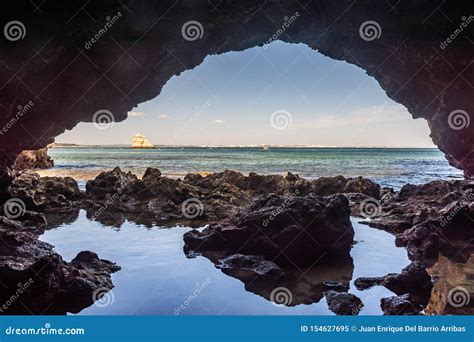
column 156, row 277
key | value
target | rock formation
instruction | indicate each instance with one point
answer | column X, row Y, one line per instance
column 31, row 160
column 36, row 280
column 68, row 69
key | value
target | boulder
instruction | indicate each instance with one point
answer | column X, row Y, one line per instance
column 33, row 159
column 343, row 303
column 296, row 230
column 36, row 280
column 45, row 193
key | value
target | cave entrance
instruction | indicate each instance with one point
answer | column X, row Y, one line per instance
column 272, row 109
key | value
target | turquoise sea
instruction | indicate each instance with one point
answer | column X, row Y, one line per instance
column 387, row 166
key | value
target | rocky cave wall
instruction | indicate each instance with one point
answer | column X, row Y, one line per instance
column 53, row 75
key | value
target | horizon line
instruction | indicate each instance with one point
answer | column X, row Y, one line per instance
column 59, row 144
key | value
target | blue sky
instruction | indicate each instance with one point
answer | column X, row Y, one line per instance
column 229, row 100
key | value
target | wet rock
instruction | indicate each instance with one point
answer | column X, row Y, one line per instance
column 364, row 283
column 400, row 305
column 343, row 303
column 304, row 228
column 253, row 263
column 412, row 279
column 335, row 286
column 282, row 285
column 36, row 280
column 33, row 159
column 422, row 243
column 45, row 193
column 115, row 183
column 326, row 186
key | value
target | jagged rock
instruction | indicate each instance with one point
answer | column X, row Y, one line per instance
column 253, row 263
column 428, row 219
column 45, row 193
column 412, row 286
column 114, row 182
column 33, row 159
column 400, row 305
column 36, row 280
column 305, row 228
column 343, row 303
column 412, row 279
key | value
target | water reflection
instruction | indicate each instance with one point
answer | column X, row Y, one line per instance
column 157, row 278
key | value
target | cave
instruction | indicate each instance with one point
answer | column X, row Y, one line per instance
column 61, row 66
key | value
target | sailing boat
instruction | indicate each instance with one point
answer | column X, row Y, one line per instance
column 140, row 141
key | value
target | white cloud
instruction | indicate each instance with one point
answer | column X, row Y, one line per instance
column 163, row 116
column 218, row 121
column 135, row 114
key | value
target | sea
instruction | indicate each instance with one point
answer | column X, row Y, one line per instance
column 392, row 167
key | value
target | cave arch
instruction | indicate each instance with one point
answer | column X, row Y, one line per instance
column 69, row 63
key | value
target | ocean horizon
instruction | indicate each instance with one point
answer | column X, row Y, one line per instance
column 391, row 167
